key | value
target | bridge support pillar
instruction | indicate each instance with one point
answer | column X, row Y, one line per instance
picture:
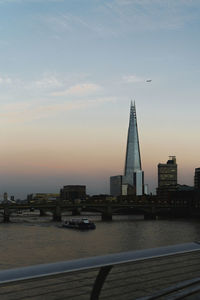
column 57, row 214
column 149, row 216
column 76, row 211
column 6, row 215
column 107, row 214
column 42, row 213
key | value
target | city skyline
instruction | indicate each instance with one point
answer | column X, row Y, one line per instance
column 68, row 74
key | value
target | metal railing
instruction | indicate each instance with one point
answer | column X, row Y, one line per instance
column 171, row 271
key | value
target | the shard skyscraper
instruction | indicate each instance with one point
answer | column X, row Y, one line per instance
column 133, row 174
column 133, row 179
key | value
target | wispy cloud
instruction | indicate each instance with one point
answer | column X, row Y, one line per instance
column 82, row 89
column 38, row 104
column 5, row 80
column 48, row 82
column 116, row 17
column 132, row 79
column 150, row 2
column 32, row 110
column 48, row 87
column 66, row 22
column 152, row 15
column 28, row 1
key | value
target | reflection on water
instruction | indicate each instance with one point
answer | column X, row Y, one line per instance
column 29, row 240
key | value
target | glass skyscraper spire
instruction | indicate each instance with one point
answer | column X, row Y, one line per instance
column 133, row 160
column 132, row 182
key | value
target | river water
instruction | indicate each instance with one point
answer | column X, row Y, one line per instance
column 29, row 239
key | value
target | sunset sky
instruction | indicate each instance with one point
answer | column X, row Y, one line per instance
column 68, row 72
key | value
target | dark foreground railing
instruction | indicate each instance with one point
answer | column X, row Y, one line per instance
column 171, row 272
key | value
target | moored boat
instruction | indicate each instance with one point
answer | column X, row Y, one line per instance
column 82, row 224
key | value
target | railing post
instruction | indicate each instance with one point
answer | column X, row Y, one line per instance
column 101, row 277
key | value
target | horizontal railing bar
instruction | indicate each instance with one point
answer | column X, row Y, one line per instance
column 174, row 288
column 50, row 292
column 123, row 293
column 46, row 270
column 42, row 294
column 43, row 286
column 187, row 262
column 145, row 270
column 146, row 281
column 182, row 294
column 112, row 278
column 46, row 277
column 50, row 277
column 141, row 282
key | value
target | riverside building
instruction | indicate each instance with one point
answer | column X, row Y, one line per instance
column 73, row 193
column 197, row 178
column 167, row 177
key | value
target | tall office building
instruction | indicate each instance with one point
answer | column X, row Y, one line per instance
column 133, row 174
column 116, row 185
column 133, row 179
column 197, row 178
column 167, row 177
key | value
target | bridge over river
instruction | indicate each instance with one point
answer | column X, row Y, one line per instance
column 151, row 209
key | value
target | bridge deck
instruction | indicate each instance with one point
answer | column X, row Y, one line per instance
column 162, row 273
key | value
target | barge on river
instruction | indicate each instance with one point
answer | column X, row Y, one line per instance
column 82, row 224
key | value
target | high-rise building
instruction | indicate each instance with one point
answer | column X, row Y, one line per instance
column 116, row 185
column 133, row 179
column 197, row 178
column 167, row 176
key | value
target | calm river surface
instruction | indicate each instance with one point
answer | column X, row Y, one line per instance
column 30, row 239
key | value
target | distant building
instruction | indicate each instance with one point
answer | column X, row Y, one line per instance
column 138, row 182
column 116, row 185
column 197, row 178
column 146, row 189
column 167, row 177
column 7, row 199
column 133, row 180
column 128, row 189
column 184, row 187
column 133, row 173
column 102, row 198
column 12, row 198
column 5, row 196
column 42, row 197
column 73, row 192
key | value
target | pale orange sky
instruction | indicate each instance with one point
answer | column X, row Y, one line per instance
column 55, row 155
